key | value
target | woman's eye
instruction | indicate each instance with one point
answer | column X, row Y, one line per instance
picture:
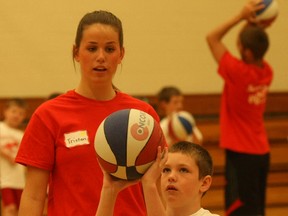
column 110, row 49
column 92, row 49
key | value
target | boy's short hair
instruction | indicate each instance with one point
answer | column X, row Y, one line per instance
column 166, row 93
column 254, row 38
column 202, row 157
column 16, row 102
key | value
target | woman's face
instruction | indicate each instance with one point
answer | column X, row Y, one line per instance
column 99, row 54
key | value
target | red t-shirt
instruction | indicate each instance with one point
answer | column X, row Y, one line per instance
column 60, row 138
column 243, row 104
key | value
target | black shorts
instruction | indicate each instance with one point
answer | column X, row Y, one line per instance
column 246, row 179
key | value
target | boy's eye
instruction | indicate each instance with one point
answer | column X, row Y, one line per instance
column 165, row 170
column 184, row 170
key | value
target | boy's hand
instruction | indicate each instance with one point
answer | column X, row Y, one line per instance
column 7, row 154
column 154, row 172
column 12, row 161
column 248, row 12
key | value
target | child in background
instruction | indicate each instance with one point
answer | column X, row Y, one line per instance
column 243, row 134
column 170, row 100
column 12, row 175
column 185, row 173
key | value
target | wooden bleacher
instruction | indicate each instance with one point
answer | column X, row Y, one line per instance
column 205, row 108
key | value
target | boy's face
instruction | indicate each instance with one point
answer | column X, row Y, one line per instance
column 174, row 105
column 180, row 182
column 14, row 116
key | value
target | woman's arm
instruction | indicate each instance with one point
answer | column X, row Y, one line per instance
column 34, row 193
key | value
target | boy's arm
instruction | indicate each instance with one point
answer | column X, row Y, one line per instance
column 214, row 38
column 5, row 153
column 151, row 186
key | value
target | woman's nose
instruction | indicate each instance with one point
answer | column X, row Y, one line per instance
column 100, row 55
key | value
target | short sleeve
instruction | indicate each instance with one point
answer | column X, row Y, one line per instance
column 37, row 146
column 229, row 67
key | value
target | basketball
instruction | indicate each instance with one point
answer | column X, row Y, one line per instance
column 180, row 125
column 268, row 14
column 126, row 143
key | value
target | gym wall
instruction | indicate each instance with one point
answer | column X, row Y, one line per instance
column 164, row 42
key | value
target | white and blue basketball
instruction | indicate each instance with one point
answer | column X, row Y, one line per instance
column 269, row 13
column 126, row 143
column 180, row 125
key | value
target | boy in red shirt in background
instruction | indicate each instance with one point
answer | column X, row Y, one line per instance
column 243, row 134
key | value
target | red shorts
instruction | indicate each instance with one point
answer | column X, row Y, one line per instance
column 11, row 196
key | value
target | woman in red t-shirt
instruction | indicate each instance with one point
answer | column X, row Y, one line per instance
column 58, row 144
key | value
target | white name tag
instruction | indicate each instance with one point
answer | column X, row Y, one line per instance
column 76, row 138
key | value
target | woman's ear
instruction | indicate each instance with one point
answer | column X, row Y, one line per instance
column 122, row 53
column 206, row 183
column 75, row 53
